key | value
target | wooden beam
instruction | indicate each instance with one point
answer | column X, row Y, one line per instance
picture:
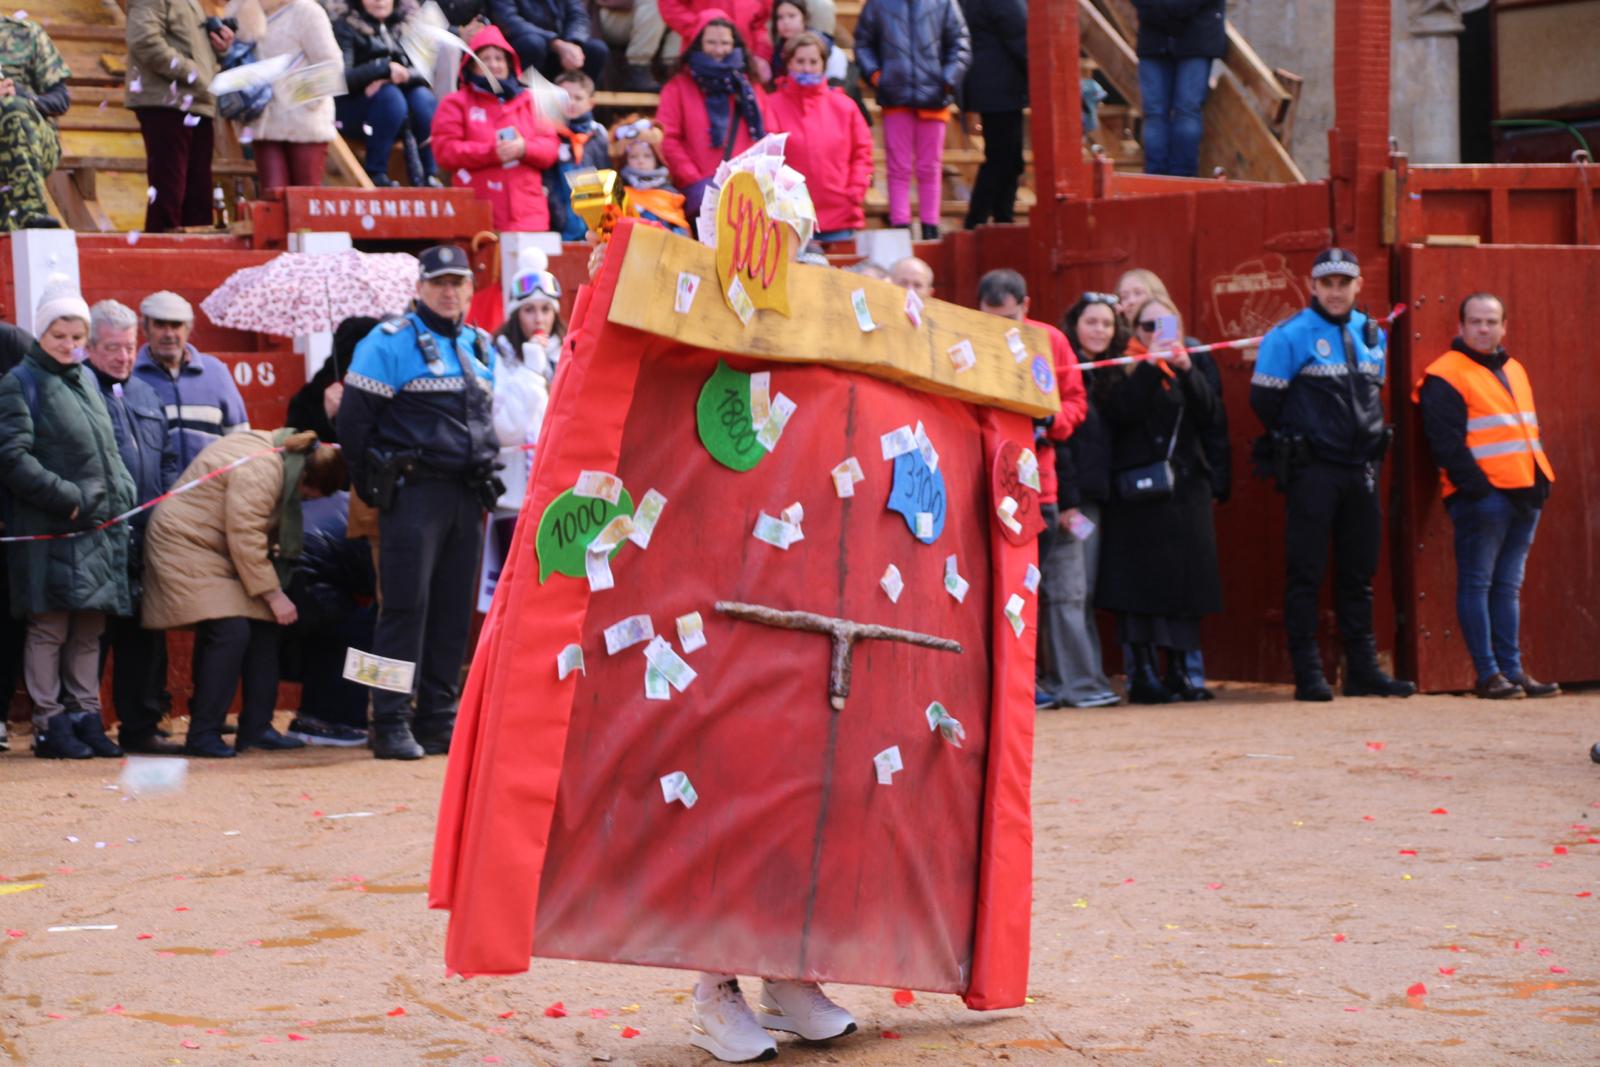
column 1110, row 51
column 76, row 199
column 1257, row 79
column 1237, row 139
column 343, row 162
column 821, row 327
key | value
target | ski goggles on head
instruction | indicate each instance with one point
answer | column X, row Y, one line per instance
column 530, row 284
column 1108, row 299
column 633, row 129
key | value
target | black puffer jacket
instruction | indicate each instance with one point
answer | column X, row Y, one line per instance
column 1182, row 29
column 998, row 77
column 368, row 45
column 918, row 49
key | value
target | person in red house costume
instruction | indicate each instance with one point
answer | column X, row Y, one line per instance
column 731, row 824
column 491, row 137
column 828, row 139
column 712, row 109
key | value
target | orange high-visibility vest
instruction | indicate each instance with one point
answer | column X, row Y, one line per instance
column 1502, row 427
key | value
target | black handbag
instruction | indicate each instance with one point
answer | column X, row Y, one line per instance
column 1151, row 481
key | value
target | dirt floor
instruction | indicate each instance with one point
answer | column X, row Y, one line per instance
column 1247, row 882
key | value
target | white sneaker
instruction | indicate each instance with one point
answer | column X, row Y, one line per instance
column 725, row 1026
column 802, row 1008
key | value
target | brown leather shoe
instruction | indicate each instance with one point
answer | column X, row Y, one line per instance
column 1497, row 687
column 1536, row 688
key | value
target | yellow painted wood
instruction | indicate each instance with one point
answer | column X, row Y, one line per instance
column 822, row 326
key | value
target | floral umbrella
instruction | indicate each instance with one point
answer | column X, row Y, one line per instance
column 302, row 292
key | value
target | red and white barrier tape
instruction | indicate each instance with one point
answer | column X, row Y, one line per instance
column 1215, row 346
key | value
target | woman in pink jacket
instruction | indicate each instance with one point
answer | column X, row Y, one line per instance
column 750, row 18
column 828, row 139
column 713, row 108
column 495, row 140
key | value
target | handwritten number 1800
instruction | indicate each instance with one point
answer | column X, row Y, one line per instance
column 735, row 416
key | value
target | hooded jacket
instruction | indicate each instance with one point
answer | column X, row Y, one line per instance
column 368, row 46
column 830, row 144
column 465, row 132
column 686, row 146
column 918, row 50
column 290, row 28
column 687, row 18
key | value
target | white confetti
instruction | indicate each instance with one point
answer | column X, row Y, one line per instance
column 366, row 129
column 150, row 194
column 1014, row 614
column 570, row 659
column 675, row 786
column 246, row 135
column 1030, row 579
column 888, row 763
column 892, row 583
column 464, row 176
column 954, row 584
column 191, row 120
column 898, row 442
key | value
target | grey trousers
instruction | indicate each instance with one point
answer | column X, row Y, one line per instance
column 62, row 654
column 1069, row 641
column 639, row 31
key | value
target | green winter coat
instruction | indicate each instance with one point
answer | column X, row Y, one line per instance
column 64, row 459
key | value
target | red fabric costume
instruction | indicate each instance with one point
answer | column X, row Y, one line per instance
column 553, row 837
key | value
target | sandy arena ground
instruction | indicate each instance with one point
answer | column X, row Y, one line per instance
column 1249, row 882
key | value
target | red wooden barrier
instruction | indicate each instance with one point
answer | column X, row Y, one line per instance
column 1526, row 204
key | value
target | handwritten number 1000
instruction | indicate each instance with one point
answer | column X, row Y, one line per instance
column 580, row 521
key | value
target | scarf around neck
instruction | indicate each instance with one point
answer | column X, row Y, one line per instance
column 719, row 80
column 509, row 86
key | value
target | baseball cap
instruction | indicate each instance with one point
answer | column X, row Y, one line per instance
column 441, row 260
column 1336, row 261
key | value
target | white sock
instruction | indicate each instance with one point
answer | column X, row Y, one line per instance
column 708, row 983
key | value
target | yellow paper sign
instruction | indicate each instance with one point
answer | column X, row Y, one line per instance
column 19, row 887
column 752, row 246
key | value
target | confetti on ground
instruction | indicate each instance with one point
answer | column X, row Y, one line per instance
column 510, row 1014
column 1376, row 746
column 890, row 1035
column 628, row 1031
column 1440, row 811
column 904, row 997
column 557, row 1010
column 395, row 1012
column 1447, row 971
column 1417, row 990
column 1557, row 970
column 1340, row 937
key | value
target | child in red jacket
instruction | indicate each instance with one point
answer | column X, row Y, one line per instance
column 489, row 135
column 828, row 139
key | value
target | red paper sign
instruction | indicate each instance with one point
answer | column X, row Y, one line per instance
column 1006, row 482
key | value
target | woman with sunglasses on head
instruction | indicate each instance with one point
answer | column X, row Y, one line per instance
column 1158, row 568
column 1071, row 670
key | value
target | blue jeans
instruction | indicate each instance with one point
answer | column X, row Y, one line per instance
column 833, row 235
column 1173, row 91
column 1493, row 536
column 384, row 113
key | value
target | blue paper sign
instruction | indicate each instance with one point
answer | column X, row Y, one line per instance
column 1043, row 377
column 918, row 490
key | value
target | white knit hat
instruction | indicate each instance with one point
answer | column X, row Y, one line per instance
column 60, row 300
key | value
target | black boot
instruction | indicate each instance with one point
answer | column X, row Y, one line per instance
column 433, row 733
column 393, row 740
column 1309, row 682
column 58, row 740
column 930, row 231
column 1364, row 678
column 1143, row 685
column 269, row 740
column 1177, row 680
column 87, row 727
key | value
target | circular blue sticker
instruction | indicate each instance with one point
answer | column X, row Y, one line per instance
column 919, row 490
column 1043, row 376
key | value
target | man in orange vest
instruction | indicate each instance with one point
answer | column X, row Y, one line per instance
column 1478, row 414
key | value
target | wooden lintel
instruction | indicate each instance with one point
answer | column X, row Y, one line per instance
column 821, row 315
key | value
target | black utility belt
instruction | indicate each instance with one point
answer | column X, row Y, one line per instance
column 420, row 473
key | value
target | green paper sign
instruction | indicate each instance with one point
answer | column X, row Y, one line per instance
column 723, row 417
column 568, row 525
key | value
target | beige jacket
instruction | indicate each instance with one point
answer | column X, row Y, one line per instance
column 290, row 28
column 206, row 551
column 169, row 56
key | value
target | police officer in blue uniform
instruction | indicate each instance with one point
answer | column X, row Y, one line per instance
column 1318, row 389
column 416, row 426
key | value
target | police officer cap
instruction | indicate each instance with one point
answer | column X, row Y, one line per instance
column 166, row 306
column 444, row 259
column 1336, row 261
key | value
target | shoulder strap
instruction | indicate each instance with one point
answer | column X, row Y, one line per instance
column 1177, row 424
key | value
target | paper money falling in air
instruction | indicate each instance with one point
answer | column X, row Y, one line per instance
column 675, row 786
column 930, row 455
column 569, row 659
column 898, row 442
column 783, row 410
column 598, row 485
column 954, row 584
column 627, row 633
column 1007, row 510
column 1030, row 579
column 760, row 399
column 655, row 684
column 846, row 475
column 691, row 631
column 1014, row 614
column 962, row 356
column 671, row 665
column 949, row 727
column 1028, row 469
column 776, row 532
column 378, row 672
column 645, row 517
column 892, row 583
column 887, row 763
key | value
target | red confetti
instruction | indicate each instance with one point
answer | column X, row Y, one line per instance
column 1376, row 746
column 1517, row 945
column 305, row 796
column 15, row 933
column 557, row 1010
column 1352, row 1009
column 316, row 814
column 1440, row 811
column 1408, row 852
column 904, row 997
column 890, row 1035
column 144, row 937
column 1593, row 840
column 628, row 1031
column 1368, row 818
column 181, row 907
column 557, row 1004
column 1418, row 990
column 54, row 1015
column 1560, row 850
column 115, row 1009
column 1127, row 881
column 269, row 1041
column 1585, row 893
column 491, row 1059
column 395, row 1012
column 1213, row 885
column 1339, row 937
column 298, row 1037
column 1547, row 952
column 1543, row 865
column 190, row 1044
column 255, row 944
column 165, row 955
column 1557, row 970
column 217, row 1032
column 598, row 1013
column 1457, row 948
column 1447, row 971
column 220, row 952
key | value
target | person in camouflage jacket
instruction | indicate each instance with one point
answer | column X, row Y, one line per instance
column 33, row 92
